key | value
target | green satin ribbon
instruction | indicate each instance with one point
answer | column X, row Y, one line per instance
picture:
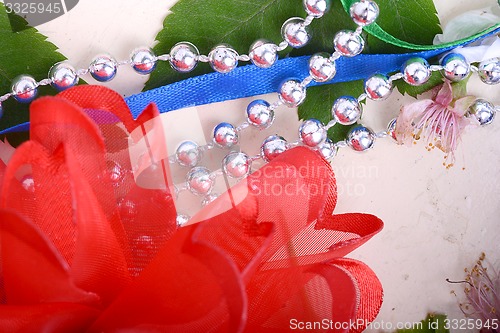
column 375, row 30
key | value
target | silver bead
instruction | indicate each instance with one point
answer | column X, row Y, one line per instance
column 184, row 57
column 273, row 146
column 292, row 93
column 62, row 76
column 208, row 199
column 416, row 71
column 295, row 33
column 24, row 88
column 328, row 149
column 489, row 71
column 236, row 165
column 346, row 110
column 391, row 129
column 223, row 59
column 316, row 8
column 182, row 219
column 143, row 60
column 312, row 133
column 199, row 181
column 364, row 12
column 321, row 68
column 360, row 138
column 103, row 68
column 483, row 111
column 455, row 67
column 348, row 43
column 188, row 154
column 259, row 114
column 378, row 87
column 263, row 53
column 225, row 135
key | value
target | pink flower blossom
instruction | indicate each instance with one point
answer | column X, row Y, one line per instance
column 440, row 120
column 483, row 295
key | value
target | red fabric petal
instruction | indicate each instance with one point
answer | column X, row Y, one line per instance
column 148, row 216
column 47, row 318
column 36, row 185
column 305, row 293
column 189, row 287
column 369, row 290
column 278, row 258
column 33, row 271
column 102, row 98
column 254, row 266
column 65, row 205
column 55, row 121
column 99, row 263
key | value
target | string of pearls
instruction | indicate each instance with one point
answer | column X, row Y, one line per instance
column 260, row 114
column 346, row 110
column 416, row 71
column 183, row 57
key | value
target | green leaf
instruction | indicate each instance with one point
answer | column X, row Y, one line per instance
column 24, row 51
column 319, row 101
column 238, row 23
column 211, row 22
column 403, row 87
column 460, row 88
column 409, row 20
column 433, row 323
column 323, row 30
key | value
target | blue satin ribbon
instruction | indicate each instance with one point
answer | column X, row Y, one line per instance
column 246, row 81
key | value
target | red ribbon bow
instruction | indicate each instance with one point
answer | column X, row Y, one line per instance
column 85, row 249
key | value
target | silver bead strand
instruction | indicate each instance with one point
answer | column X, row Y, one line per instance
column 263, row 53
column 416, row 71
column 272, row 147
column 24, row 88
column 292, row 92
column 183, row 57
column 237, row 165
column 312, row 133
column 103, row 68
column 143, row 60
column 316, row 8
column 295, row 32
column 489, row 71
column 364, row 12
column 225, row 135
column 360, row 138
column 378, row 87
column 321, row 67
column 223, row 58
column 62, row 76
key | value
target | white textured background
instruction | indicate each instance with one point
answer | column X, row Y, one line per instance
column 437, row 221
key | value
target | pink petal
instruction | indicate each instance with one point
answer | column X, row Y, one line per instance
column 445, row 94
column 462, row 105
column 406, row 118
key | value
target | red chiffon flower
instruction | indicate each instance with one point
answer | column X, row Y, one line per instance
column 84, row 248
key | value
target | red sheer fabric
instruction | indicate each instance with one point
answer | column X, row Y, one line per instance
column 85, row 249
